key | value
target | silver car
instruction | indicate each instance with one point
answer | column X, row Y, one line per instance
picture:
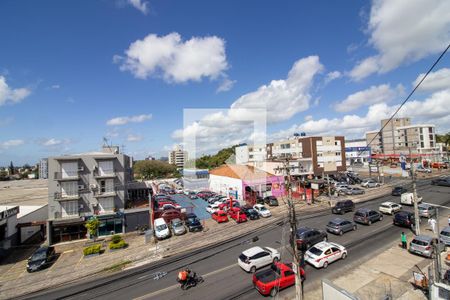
column 339, row 226
column 422, row 245
column 445, row 235
column 354, row 191
column 426, row 210
column 370, row 183
column 178, row 227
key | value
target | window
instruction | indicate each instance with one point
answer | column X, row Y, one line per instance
column 107, row 186
column 328, row 252
column 106, row 204
column 69, row 188
column 422, row 145
column 334, row 249
column 69, row 169
column 69, row 208
column 105, row 167
column 338, row 153
column 430, row 129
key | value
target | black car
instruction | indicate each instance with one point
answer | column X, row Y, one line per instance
column 343, row 206
column 193, row 223
column 250, row 213
column 41, row 258
column 271, row 200
column 404, row 219
column 441, row 181
column 307, row 237
column 367, row 216
column 259, row 200
column 398, row 191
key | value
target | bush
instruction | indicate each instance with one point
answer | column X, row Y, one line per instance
column 121, row 244
column 94, row 249
column 116, row 238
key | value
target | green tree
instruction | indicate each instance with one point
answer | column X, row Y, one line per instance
column 3, row 175
column 154, row 169
column 92, row 226
column 218, row 159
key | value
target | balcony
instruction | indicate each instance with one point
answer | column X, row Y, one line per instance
column 59, row 215
column 103, row 175
column 66, row 177
column 60, row 197
column 100, row 194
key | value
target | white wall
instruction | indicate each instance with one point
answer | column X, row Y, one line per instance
column 221, row 185
column 241, row 154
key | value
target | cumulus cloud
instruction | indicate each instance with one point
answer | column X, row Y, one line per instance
column 332, row 76
column 175, row 60
column 372, row 95
column 140, row 5
column 131, row 119
column 435, row 81
column 134, row 138
column 53, row 142
column 403, row 32
column 11, row 143
column 9, row 95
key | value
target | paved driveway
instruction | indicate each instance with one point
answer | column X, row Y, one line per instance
column 197, row 205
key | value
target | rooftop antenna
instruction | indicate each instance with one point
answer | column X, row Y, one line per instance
column 123, row 148
column 105, row 144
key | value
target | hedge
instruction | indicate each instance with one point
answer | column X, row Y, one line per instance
column 116, row 238
column 121, row 244
column 94, row 249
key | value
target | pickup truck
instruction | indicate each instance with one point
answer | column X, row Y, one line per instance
column 277, row 277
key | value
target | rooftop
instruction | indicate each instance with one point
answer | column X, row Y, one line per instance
column 240, row 172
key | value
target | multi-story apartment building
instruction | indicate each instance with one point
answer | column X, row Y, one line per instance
column 255, row 153
column 420, row 138
column 85, row 185
column 178, row 157
column 43, row 168
column 308, row 155
column 374, row 141
column 389, row 134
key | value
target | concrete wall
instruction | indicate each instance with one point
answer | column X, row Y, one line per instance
column 135, row 218
column 222, row 184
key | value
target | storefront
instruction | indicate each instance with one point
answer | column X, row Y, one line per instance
column 67, row 230
column 110, row 225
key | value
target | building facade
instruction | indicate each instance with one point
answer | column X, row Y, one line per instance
column 357, row 152
column 43, row 168
column 178, row 157
column 420, row 138
column 389, row 134
column 86, row 185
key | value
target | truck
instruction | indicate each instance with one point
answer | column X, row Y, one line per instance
column 277, row 277
column 408, row 199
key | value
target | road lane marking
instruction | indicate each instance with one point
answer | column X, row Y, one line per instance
column 175, row 286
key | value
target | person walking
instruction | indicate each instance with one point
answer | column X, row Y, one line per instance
column 432, row 223
column 403, row 237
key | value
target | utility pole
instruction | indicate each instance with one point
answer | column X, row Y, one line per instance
column 413, row 178
column 298, row 255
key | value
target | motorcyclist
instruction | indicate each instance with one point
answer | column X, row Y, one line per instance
column 184, row 276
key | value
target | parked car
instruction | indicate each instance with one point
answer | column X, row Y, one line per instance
column 259, row 200
column 41, row 258
column 343, row 206
column 193, row 223
column 354, row 191
column 262, row 210
column 404, row 219
column 306, row 237
column 236, row 214
column 257, row 257
column 389, row 208
column 398, row 190
column 221, row 199
column 445, row 235
column 422, row 169
column 367, row 216
column 161, row 229
column 340, row 226
column 279, row 276
column 408, row 199
column 445, row 181
column 439, row 165
column 177, row 227
column 322, row 254
column 426, row 210
column 250, row 213
column 168, row 206
column 211, row 208
column 422, row 245
column 271, row 201
column 370, row 183
column 226, row 205
column 170, row 214
column 220, row 216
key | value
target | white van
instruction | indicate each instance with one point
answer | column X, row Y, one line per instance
column 162, row 231
column 408, row 199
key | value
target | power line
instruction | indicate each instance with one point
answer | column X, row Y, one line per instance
column 407, row 98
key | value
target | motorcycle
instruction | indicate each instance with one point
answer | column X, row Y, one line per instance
column 191, row 282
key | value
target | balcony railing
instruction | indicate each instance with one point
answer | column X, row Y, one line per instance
column 60, row 197
column 59, row 215
column 61, row 177
column 110, row 193
column 108, row 174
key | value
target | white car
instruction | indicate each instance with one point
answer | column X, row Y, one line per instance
column 212, row 208
column 370, row 183
column 389, row 208
column 262, row 210
column 221, row 200
column 322, row 254
column 257, row 257
column 162, row 231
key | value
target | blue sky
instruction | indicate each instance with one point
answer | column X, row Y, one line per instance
column 73, row 72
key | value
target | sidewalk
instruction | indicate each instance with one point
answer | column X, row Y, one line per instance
column 389, row 273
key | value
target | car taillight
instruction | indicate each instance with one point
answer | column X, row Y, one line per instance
column 428, row 248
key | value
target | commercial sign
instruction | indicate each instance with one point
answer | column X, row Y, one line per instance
column 315, row 186
column 9, row 212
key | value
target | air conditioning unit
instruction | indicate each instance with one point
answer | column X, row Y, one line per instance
column 81, row 187
column 81, row 168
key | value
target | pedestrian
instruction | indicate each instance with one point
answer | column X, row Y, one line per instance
column 432, row 223
column 403, row 237
column 448, row 220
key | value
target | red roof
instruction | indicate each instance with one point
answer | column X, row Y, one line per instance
column 240, row 172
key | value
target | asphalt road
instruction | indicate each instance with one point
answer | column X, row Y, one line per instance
column 224, row 279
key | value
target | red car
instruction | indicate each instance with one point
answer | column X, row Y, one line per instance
column 278, row 277
column 173, row 203
column 236, row 214
column 220, row 216
column 227, row 205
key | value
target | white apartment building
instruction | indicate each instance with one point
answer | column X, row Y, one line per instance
column 43, row 168
column 178, row 157
column 357, row 151
column 420, row 138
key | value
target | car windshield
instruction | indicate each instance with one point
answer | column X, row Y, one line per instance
column 262, row 208
column 445, row 233
column 315, row 251
column 177, row 224
column 419, row 242
column 161, row 227
column 333, row 223
column 38, row 256
column 359, row 214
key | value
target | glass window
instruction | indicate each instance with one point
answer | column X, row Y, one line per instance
column 69, row 188
column 69, row 208
column 106, row 204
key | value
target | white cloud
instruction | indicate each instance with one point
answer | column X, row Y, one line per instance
column 140, row 5
column 125, row 120
column 55, row 86
column 226, row 85
column 372, row 95
column 134, row 138
column 11, row 96
column 175, row 60
column 403, row 32
column 332, row 76
column 284, row 98
column 52, row 142
column 438, row 80
column 11, row 143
